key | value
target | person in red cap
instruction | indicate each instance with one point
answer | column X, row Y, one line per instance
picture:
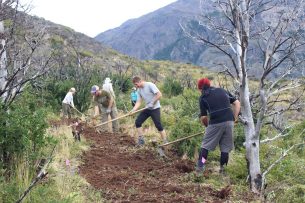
column 219, row 110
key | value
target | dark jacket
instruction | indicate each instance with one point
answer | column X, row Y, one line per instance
column 216, row 103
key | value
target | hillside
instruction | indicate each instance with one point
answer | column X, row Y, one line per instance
column 70, row 40
column 157, row 35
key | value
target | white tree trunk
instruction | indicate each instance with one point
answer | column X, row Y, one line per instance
column 3, row 68
column 252, row 138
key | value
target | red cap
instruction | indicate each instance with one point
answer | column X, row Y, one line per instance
column 203, row 82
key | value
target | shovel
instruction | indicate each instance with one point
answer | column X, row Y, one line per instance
column 161, row 147
column 129, row 114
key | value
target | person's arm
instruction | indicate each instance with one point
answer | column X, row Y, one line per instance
column 204, row 119
column 111, row 101
column 154, row 89
column 95, row 107
column 236, row 109
column 96, row 110
column 157, row 97
column 72, row 103
column 138, row 104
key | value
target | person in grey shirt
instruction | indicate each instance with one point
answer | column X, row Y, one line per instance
column 151, row 95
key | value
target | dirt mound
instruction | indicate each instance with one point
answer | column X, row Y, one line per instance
column 125, row 173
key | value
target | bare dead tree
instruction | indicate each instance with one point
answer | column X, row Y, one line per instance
column 19, row 61
column 263, row 37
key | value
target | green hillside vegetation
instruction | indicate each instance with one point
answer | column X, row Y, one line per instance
column 31, row 134
column 180, row 117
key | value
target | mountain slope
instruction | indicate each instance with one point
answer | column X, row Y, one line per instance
column 157, row 35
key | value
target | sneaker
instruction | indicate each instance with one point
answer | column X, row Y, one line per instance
column 141, row 141
column 165, row 141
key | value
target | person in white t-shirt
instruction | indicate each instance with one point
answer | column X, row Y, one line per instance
column 150, row 94
column 68, row 103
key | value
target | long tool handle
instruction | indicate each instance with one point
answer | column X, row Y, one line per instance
column 80, row 112
column 129, row 114
column 77, row 110
column 178, row 140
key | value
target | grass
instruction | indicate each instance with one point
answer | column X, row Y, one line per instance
column 70, row 185
column 62, row 184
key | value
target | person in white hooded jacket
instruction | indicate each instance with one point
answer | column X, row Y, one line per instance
column 107, row 86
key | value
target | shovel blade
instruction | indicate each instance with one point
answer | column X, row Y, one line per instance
column 161, row 152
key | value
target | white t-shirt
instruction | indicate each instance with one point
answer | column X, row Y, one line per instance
column 68, row 99
column 148, row 92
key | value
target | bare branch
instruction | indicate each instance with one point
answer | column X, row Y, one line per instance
column 284, row 154
column 280, row 135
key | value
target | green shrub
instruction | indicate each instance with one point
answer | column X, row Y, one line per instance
column 121, row 83
column 293, row 194
column 237, row 167
column 239, row 137
column 185, row 127
column 23, row 130
column 172, row 87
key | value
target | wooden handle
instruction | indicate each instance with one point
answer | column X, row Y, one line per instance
column 178, row 140
column 77, row 110
column 129, row 114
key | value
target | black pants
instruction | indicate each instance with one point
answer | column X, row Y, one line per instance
column 224, row 157
column 133, row 103
column 155, row 116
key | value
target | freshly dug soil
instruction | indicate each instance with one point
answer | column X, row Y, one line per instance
column 126, row 173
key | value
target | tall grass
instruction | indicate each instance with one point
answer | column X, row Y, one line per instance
column 62, row 184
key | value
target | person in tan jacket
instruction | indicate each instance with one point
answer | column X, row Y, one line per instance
column 104, row 104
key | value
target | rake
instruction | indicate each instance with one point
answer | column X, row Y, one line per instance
column 129, row 114
column 161, row 147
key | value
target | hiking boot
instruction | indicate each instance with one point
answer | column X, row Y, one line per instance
column 222, row 171
column 200, row 169
column 141, row 141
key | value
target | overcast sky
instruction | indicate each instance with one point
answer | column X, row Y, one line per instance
column 92, row 17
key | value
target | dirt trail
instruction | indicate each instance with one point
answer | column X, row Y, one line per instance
column 125, row 173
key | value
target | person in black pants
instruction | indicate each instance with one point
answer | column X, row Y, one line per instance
column 148, row 92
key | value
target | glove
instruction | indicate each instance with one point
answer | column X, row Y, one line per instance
column 108, row 111
column 150, row 105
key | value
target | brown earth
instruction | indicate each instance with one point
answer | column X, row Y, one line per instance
column 125, row 173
